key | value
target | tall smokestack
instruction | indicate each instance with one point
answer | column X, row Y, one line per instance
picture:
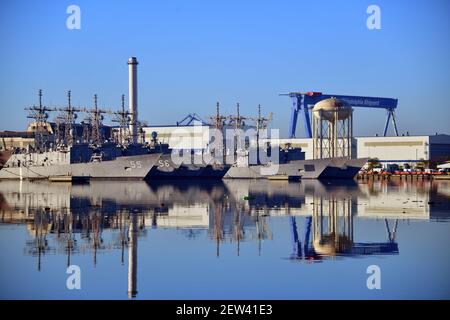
column 132, row 97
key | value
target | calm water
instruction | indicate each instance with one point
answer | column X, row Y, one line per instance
column 225, row 240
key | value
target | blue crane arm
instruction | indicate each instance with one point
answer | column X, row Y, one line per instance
column 368, row 102
column 365, row 102
column 305, row 100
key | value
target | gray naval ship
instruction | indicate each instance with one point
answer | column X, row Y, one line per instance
column 66, row 150
column 181, row 164
column 82, row 162
column 291, row 165
column 295, row 169
column 166, row 168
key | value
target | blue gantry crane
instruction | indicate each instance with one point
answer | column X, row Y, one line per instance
column 305, row 101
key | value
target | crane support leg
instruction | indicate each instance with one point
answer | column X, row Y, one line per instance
column 394, row 123
column 390, row 116
column 387, row 123
column 294, row 116
column 307, row 121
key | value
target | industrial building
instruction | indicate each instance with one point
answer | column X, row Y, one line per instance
column 390, row 150
column 307, row 145
column 180, row 137
column 387, row 150
column 405, row 149
column 184, row 136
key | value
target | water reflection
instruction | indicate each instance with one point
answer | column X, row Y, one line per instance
column 332, row 225
column 66, row 219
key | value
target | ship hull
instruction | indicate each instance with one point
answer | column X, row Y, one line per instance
column 129, row 167
column 165, row 168
column 296, row 169
column 343, row 168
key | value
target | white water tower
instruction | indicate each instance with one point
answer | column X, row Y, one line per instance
column 332, row 129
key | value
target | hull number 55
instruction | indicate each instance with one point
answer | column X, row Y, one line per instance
column 135, row 164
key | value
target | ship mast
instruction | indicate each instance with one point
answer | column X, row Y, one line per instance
column 261, row 124
column 40, row 115
column 218, row 122
column 95, row 118
column 69, row 116
column 122, row 117
column 238, row 122
column 218, row 119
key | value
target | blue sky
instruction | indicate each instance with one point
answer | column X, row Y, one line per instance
column 194, row 53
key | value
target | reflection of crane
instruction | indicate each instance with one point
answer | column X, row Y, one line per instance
column 304, row 100
column 298, row 251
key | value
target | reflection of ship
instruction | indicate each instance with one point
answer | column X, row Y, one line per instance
column 409, row 200
column 69, row 219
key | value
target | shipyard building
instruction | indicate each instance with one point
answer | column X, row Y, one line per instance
column 405, row 149
column 387, row 150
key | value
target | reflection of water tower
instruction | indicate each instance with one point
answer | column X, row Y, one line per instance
column 332, row 129
column 332, row 226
